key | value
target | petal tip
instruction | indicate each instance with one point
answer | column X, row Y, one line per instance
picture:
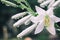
column 12, row 17
column 13, row 25
column 54, row 33
column 37, row 7
column 35, row 32
column 42, row 6
column 18, row 36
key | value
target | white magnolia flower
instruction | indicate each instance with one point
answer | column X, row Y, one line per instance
column 45, row 19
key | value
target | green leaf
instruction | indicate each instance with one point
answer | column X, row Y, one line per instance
column 8, row 3
column 19, row 1
column 22, row 6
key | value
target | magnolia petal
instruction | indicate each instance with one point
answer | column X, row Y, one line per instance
column 27, row 30
column 37, row 18
column 51, row 28
column 50, row 11
column 21, row 21
column 18, row 15
column 45, row 3
column 56, row 19
column 39, row 28
column 51, row 3
column 28, row 21
column 39, row 10
column 56, row 3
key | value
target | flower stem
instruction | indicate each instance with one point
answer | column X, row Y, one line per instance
column 28, row 8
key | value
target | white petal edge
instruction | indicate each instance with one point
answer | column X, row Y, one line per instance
column 51, row 3
column 56, row 19
column 21, row 21
column 39, row 10
column 50, row 11
column 56, row 3
column 27, row 30
column 37, row 18
column 51, row 28
column 39, row 28
column 17, row 16
column 27, row 22
column 45, row 3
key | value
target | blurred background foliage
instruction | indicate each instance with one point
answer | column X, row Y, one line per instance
column 5, row 21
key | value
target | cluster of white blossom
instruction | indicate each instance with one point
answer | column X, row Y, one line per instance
column 49, row 3
column 44, row 19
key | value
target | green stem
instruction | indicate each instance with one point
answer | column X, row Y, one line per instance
column 32, row 12
column 8, row 3
column 28, row 9
column 27, row 4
